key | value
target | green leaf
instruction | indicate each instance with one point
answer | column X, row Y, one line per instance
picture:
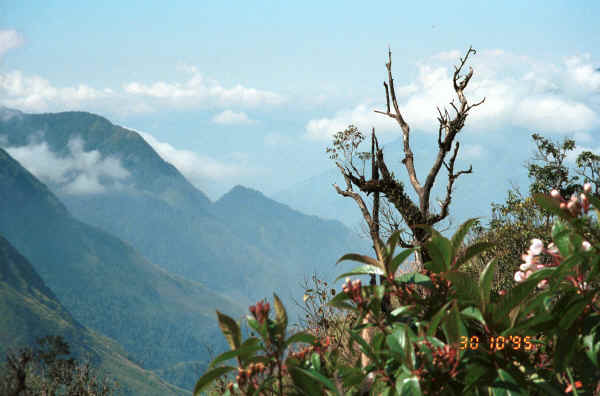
column 460, row 234
column 473, row 251
column 391, row 244
column 249, row 354
column 361, row 259
column 315, row 360
column 565, row 348
column 436, row 319
column 261, row 329
column 505, row 385
column 300, row 337
column 365, row 348
column 406, row 309
column 515, row 296
column 280, row 314
column 592, row 348
column 415, row 278
column 203, row 383
column 303, row 381
column 399, row 259
column 408, row 386
column 453, row 327
column 485, row 283
column 351, row 376
column 560, row 236
column 339, row 301
column 473, row 313
column 242, row 350
column 315, row 376
column 572, row 313
column 466, row 289
column 362, row 270
column 548, row 203
column 230, row 330
column 440, row 250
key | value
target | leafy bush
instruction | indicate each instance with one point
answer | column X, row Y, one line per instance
column 44, row 372
column 448, row 333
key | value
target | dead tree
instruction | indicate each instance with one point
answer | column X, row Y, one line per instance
column 383, row 182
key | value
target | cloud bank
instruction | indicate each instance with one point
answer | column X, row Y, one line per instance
column 37, row 94
column 199, row 91
column 200, row 170
column 78, row 172
column 519, row 91
column 9, row 39
column 229, row 117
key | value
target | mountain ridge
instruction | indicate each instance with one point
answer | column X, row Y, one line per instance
column 159, row 318
column 29, row 310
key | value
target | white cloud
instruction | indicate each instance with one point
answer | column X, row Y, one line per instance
column 519, row 91
column 198, row 91
column 554, row 114
column 37, row 94
column 583, row 73
column 78, row 172
column 9, row 39
column 229, row 117
column 198, row 169
column 34, row 93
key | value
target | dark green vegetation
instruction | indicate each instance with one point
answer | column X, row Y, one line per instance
column 520, row 219
column 29, row 310
column 160, row 319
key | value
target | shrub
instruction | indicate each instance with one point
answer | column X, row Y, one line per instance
column 448, row 333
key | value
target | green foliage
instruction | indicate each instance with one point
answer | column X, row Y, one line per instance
column 521, row 218
column 462, row 339
column 43, row 371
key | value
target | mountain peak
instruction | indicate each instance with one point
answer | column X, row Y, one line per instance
column 7, row 113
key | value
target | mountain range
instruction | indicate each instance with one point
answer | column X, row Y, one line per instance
column 136, row 253
column 29, row 310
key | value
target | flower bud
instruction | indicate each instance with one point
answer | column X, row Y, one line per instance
column 536, row 246
column 555, row 194
column 587, row 188
column 586, row 245
column 519, row 276
column 525, row 266
column 572, row 207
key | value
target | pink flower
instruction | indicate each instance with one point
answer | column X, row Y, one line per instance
column 536, row 246
column 586, row 245
column 542, row 284
column 519, row 276
column 587, row 188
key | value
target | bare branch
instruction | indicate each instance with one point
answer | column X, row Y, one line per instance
column 387, row 96
column 363, row 208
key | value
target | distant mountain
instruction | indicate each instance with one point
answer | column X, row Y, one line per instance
column 30, row 310
column 305, row 244
column 203, row 241
column 148, row 171
column 160, row 319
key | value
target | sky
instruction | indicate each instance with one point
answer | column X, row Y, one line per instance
column 251, row 92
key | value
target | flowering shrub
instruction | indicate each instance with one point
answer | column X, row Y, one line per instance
column 540, row 336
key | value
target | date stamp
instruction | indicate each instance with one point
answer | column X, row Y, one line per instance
column 498, row 343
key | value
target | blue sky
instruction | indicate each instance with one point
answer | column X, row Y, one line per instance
column 250, row 92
